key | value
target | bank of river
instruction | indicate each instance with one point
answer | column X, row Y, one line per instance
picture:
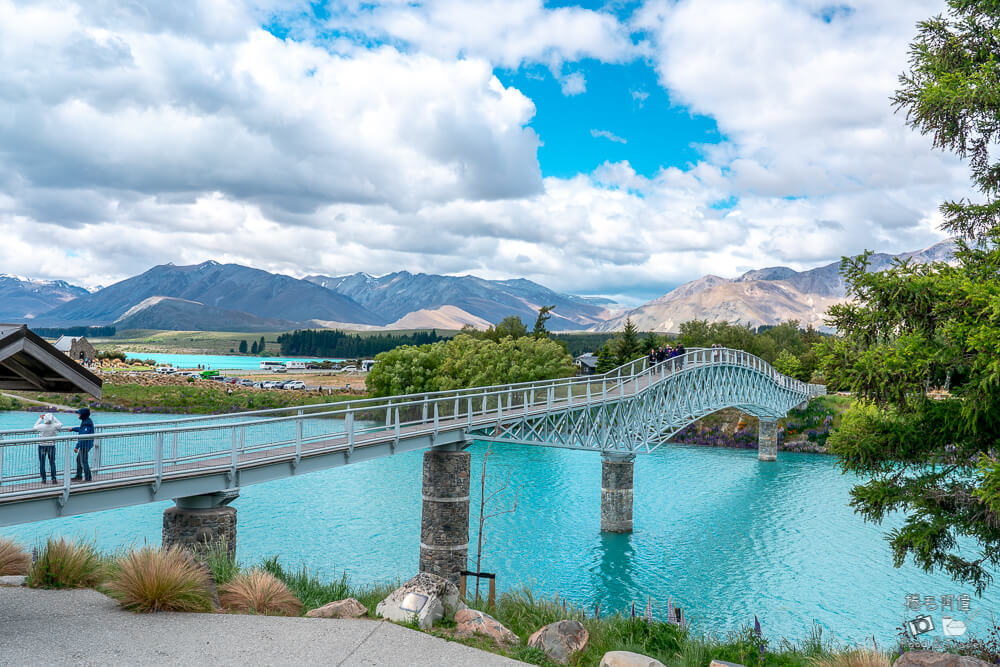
column 725, row 535
column 217, row 361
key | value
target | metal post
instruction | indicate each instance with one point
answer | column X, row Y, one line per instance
column 349, row 426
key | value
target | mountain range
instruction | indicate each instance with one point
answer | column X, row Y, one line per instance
column 230, row 297
column 760, row 296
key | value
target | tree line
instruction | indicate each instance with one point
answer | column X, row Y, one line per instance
column 335, row 343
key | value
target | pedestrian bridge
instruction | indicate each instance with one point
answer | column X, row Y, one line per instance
column 631, row 410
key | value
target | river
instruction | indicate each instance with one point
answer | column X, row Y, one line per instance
column 726, row 536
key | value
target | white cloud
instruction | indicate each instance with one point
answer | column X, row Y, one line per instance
column 508, row 33
column 137, row 133
column 610, row 136
column 573, row 83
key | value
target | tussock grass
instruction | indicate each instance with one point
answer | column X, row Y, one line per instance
column 65, row 564
column 14, row 560
column 151, row 580
column 856, row 657
column 259, row 592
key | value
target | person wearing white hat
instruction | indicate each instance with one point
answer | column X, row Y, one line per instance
column 48, row 427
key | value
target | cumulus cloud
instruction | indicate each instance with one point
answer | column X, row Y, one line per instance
column 507, row 33
column 573, row 83
column 137, row 133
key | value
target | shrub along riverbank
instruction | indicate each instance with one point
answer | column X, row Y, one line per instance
column 151, row 579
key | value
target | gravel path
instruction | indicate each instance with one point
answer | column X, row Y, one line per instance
column 84, row 627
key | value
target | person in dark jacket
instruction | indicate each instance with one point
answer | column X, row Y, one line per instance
column 84, row 445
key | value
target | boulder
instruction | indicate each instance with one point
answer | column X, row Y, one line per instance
column 560, row 640
column 349, row 608
column 427, row 598
column 935, row 659
column 13, row 580
column 472, row 622
column 628, row 659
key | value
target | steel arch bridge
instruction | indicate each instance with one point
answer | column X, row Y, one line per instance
column 642, row 412
column 631, row 410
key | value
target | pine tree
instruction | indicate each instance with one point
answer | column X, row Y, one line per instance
column 253, row 348
column 262, row 345
column 627, row 344
column 543, row 316
column 243, row 347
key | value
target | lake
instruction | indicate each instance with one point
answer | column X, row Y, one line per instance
column 217, row 361
column 723, row 534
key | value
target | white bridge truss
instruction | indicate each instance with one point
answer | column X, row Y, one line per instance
column 632, row 409
column 640, row 412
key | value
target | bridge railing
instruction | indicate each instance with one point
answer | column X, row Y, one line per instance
column 153, row 451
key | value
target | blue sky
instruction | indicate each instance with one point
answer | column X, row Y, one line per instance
column 616, row 149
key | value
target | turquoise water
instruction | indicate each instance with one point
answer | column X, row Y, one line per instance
column 216, row 361
column 726, row 536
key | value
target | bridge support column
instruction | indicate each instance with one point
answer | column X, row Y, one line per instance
column 196, row 522
column 767, row 441
column 444, row 524
column 616, row 492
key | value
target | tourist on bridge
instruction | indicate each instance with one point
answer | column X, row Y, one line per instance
column 83, row 446
column 679, row 352
column 661, row 354
column 48, row 427
column 652, row 357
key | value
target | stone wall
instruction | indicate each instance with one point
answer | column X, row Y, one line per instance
column 616, row 494
column 195, row 529
column 444, row 524
column 767, row 440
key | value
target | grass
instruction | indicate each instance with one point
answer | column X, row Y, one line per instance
column 314, row 593
column 259, row 592
column 194, row 398
column 151, row 580
column 14, row 560
column 65, row 564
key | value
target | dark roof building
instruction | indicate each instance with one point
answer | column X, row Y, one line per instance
column 29, row 363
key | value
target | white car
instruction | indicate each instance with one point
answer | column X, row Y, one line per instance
column 349, row 369
column 294, row 384
column 270, row 384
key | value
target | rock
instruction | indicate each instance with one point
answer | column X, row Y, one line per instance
column 426, row 596
column 349, row 608
column 628, row 659
column 723, row 663
column 935, row 659
column 13, row 580
column 472, row 622
column 560, row 640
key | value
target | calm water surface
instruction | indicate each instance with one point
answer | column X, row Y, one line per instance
column 216, row 361
column 726, row 536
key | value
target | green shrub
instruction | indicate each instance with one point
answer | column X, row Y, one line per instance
column 65, row 564
column 151, row 580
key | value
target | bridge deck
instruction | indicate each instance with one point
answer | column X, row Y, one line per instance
column 186, row 457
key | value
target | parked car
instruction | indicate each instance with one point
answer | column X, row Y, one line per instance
column 270, row 384
column 279, row 369
column 294, row 384
column 350, row 369
column 247, row 383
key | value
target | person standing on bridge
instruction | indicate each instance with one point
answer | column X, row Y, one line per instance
column 83, row 446
column 48, row 427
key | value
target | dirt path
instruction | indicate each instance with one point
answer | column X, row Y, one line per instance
column 54, row 406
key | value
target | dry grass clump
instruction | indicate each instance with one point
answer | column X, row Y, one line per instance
column 856, row 657
column 259, row 592
column 65, row 564
column 13, row 559
column 170, row 579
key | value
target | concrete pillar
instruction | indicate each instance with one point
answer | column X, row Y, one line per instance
column 616, row 492
column 767, row 440
column 196, row 522
column 444, row 524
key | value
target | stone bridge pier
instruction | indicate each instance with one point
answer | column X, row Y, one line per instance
column 616, row 491
column 767, row 440
column 197, row 522
column 444, row 522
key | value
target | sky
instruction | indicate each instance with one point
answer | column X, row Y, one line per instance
column 614, row 148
